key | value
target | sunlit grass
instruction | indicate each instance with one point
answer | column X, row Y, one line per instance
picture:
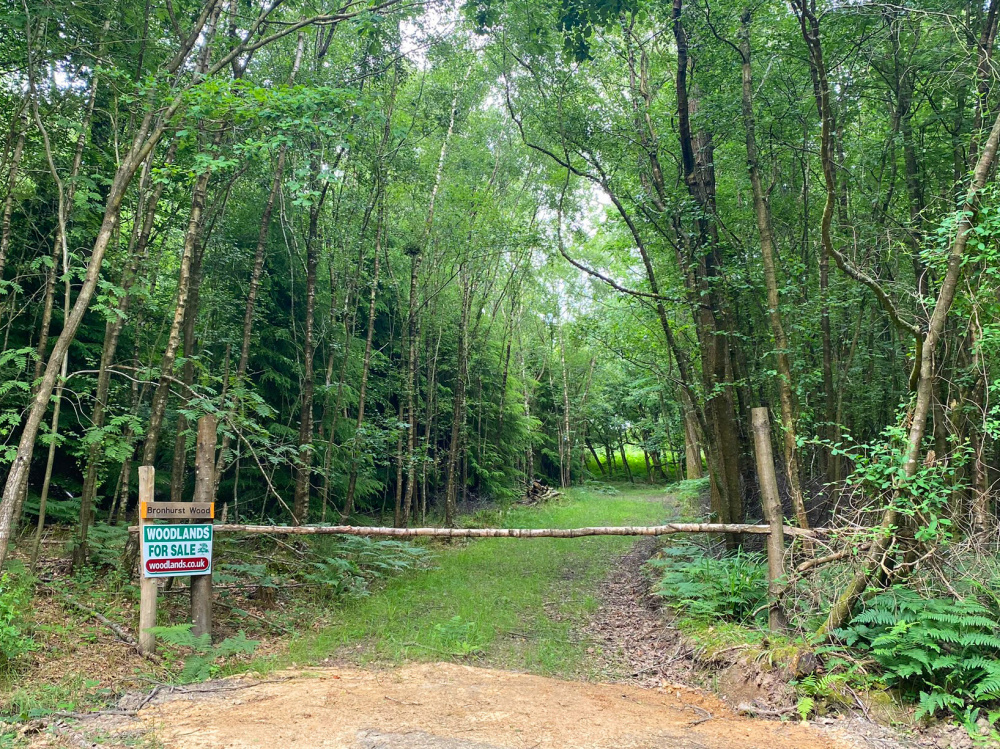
column 511, row 603
column 636, row 463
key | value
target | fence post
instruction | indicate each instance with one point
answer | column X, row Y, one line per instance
column 204, row 485
column 147, row 585
column 771, row 503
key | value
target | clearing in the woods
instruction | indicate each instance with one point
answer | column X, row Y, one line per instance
column 500, row 645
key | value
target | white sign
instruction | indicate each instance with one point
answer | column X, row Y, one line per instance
column 169, row 550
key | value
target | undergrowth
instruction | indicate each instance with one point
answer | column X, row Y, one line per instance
column 942, row 653
column 202, row 662
column 15, row 640
column 731, row 587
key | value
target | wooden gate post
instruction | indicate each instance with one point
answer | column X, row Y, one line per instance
column 204, row 485
column 147, row 585
column 772, row 514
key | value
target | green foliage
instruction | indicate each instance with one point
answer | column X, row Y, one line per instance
column 258, row 574
column 943, row 653
column 461, row 638
column 15, row 597
column 352, row 563
column 985, row 736
column 924, row 497
column 837, row 683
column 732, row 587
column 106, row 544
column 804, row 707
column 201, row 663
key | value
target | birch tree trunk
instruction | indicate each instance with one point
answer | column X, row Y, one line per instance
column 8, row 202
column 199, row 193
column 137, row 252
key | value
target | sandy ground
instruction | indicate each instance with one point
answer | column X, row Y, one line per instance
column 448, row 706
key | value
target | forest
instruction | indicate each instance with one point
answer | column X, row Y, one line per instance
column 417, row 256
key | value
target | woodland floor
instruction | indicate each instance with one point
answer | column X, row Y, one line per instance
column 560, row 646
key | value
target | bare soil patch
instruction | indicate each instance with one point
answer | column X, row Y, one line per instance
column 451, row 706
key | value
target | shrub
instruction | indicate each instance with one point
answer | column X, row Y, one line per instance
column 14, row 601
column 942, row 653
column 732, row 587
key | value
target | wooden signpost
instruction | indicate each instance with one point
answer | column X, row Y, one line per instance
column 147, row 585
column 178, row 549
column 771, row 503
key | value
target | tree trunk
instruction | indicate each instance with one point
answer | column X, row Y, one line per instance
column 763, row 214
column 179, row 465
column 621, row 449
column 566, row 478
column 458, row 408
column 303, row 468
column 8, row 203
column 429, row 424
column 137, row 252
column 158, row 407
column 590, row 446
column 366, row 363
column 722, row 437
column 692, row 446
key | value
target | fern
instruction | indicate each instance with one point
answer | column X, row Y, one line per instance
column 733, row 587
column 942, row 653
column 804, row 707
column 200, row 664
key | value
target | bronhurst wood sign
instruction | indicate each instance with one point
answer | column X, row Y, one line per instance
column 176, row 510
column 169, row 550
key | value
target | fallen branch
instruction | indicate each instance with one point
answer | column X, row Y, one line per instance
column 92, row 714
column 744, row 709
column 623, row 530
column 120, row 633
column 835, row 557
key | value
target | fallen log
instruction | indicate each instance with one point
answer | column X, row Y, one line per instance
column 615, row 530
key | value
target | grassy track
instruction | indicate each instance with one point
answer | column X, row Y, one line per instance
column 511, row 603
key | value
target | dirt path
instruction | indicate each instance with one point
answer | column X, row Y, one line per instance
column 449, row 706
column 454, row 706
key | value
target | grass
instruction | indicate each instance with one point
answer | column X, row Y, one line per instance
column 508, row 603
column 636, row 464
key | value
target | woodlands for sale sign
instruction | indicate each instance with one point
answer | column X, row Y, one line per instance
column 169, row 550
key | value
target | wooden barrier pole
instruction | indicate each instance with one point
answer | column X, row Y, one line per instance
column 611, row 530
column 147, row 585
column 204, row 485
column 772, row 513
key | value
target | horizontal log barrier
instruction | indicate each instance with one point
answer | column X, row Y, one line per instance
column 615, row 530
